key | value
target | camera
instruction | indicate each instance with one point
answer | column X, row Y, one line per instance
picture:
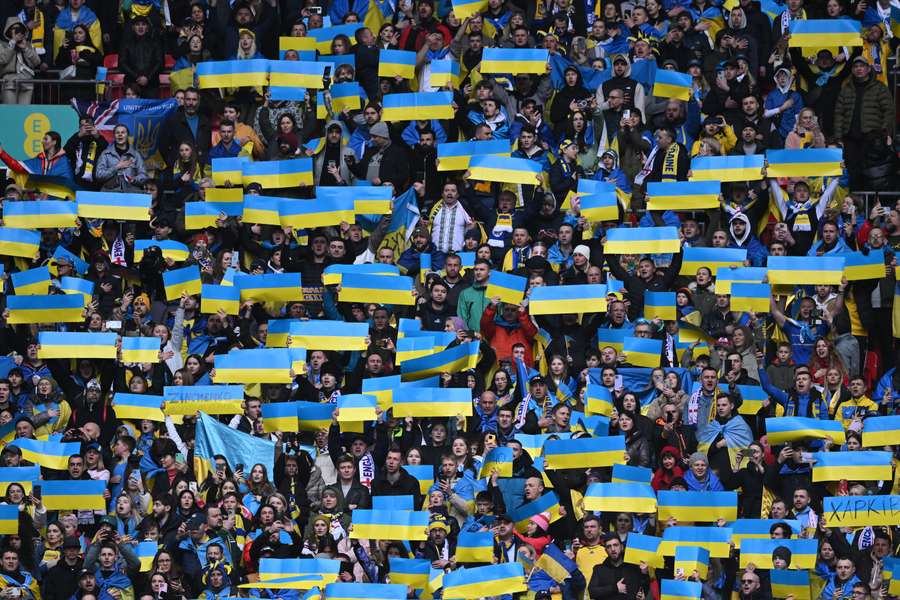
column 315, row 10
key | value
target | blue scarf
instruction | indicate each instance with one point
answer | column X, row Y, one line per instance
column 712, row 483
column 735, row 432
column 65, row 21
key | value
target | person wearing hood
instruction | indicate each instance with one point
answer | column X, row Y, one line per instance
column 823, row 78
column 510, row 326
column 608, row 170
column 331, row 166
column 492, row 114
column 633, row 92
column 783, row 104
column 572, row 97
column 741, row 236
column 669, row 468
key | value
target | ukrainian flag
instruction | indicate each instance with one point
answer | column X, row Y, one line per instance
column 806, row 162
column 672, row 84
column 211, row 399
column 388, row 289
column 467, row 8
column 444, row 73
column 680, row 590
column 232, row 73
column 324, row 35
column 424, row 474
column 81, row 267
column 727, row 168
column 753, row 297
column 490, row 580
column 712, row 258
column 514, row 60
column 510, row 288
column 397, row 63
column 297, row 582
column 871, row 465
column 365, row 591
column 103, row 205
column 629, row 474
column 412, row 572
column 476, row 546
column 643, row 240
column 881, row 431
column 805, row 270
column 279, row 330
column 312, row 416
column 583, row 453
column 683, row 195
column 320, row 570
column 409, row 525
column 780, row 430
column 433, row 402
column 556, row 564
column 620, row 497
column 24, row 476
column 368, row 199
column 177, row 251
column 562, row 299
column 794, row 584
column 759, row 552
column 19, row 242
column 73, row 344
column 280, row 416
column 588, row 187
column 228, row 170
column 345, row 95
column 660, row 305
column 230, row 198
column 859, row 266
column 643, row 548
column 598, row 400
column 758, row 528
column 603, row 206
column 383, row 387
column 296, row 74
column 56, row 308
column 822, row 33
column 452, row 360
column 141, row 349
column 270, row 287
column 392, row 502
column 138, row 406
column 727, row 277
column 548, row 503
column 455, row 156
column 56, row 187
column 504, row 169
column 200, row 215
column 263, row 210
column 419, row 105
column 354, row 408
column 410, row 348
column 179, row 281
column 77, row 494
column 301, row 214
column 498, row 459
column 642, row 352
column 752, row 397
column 51, row 455
column 300, row 44
column 260, row 365
column 330, row 335
column 278, row 174
column 215, row 297
column 715, row 539
column 298, row 360
column 615, row 338
column 146, row 551
column 692, row 558
column 701, row 507
column 76, row 285
column 39, row 214
column 33, row 282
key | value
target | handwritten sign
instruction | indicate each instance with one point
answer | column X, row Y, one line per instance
column 859, row 511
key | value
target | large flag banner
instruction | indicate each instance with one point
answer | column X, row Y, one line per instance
column 862, row 511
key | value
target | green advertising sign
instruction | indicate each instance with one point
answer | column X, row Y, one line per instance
column 25, row 125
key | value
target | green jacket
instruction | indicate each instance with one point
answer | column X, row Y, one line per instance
column 876, row 110
column 471, row 305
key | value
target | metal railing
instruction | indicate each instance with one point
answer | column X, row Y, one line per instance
column 59, row 91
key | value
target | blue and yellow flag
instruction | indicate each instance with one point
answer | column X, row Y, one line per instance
column 24, row 476
column 417, row 105
column 475, row 546
column 146, row 552
column 75, row 344
column 672, row 84
column 598, row 400
column 39, row 214
column 728, row 276
column 177, row 251
column 412, row 572
column 509, row 288
column 55, row 308
column 444, row 73
column 228, row 170
column 140, row 349
column 216, row 297
column 424, row 474
column 19, row 242
column 312, row 416
column 33, row 282
column 180, row 281
column 356, row 407
column 556, row 564
column 296, row 74
column 330, row 335
column 365, row 591
column 81, row 267
column 333, row 274
column 232, row 73
column 324, row 35
column 499, row 459
column 598, row 207
column 701, row 507
column 367, row 199
column 200, row 215
column 643, row 240
column 102, row 205
column 263, row 210
column 397, row 63
column 755, row 297
column 752, row 398
column 452, row 360
column 643, row 548
column 614, row 338
column 324, row 570
column 433, row 402
column 382, row 387
column 305, row 46
column 727, row 168
column 715, row 539
column 660, row 305
column 759, row 552
column 211, row 399
column 824, row 33
column 514, row 60
column 583, row 453
column 683, row 195
column 136, row 407
column 804, row 162
column 548, row 503
column 278, row 174
column 78, row 494
column 692, row 558
column 880, row 431
column 389, row 525
column 562, row 299
column 859, row 266
column 230, row 199
column 620, row 497
column 871, row 465
column 345, row 95
column 790, row 584
column 758, row 528
column 805, row 270
column 680, row 590
column 466, row 8
column 455, row 156
column 780, row 430
column 629, row 474
column 491, row 580
column 51, row 455
column 270, row 287
column 280, row 416
column 258, row 365
column 387, row 289
column 301, row 214
column 711, row 258
column 504, row 169
column 642, row 352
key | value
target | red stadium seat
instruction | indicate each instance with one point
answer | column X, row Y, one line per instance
column 169, row 62
column 111, row 61
column 117, row 81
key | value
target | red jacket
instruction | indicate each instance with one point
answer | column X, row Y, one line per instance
column 502, row 339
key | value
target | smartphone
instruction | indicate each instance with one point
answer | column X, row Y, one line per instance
column 114, row 324
column 626, row 114
column 235, row 259
column 163, row 588
column 36, row 491
column 326, row 77
column 331, row 164
column 315, row 10
column 239, row 467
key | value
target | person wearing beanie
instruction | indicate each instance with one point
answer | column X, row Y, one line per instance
column 577, row 273
column 536, row 532
column 383, row 161
column 699, row 477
